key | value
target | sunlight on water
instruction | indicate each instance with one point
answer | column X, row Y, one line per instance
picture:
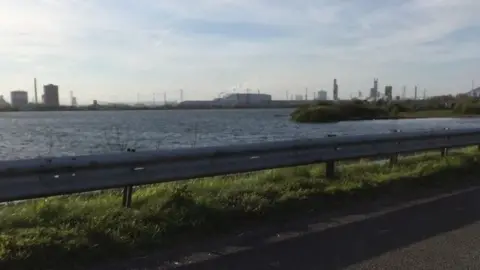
column 33, row 134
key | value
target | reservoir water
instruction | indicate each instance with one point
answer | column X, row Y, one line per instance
column 33, row 134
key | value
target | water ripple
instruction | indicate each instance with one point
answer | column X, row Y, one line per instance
column 33, row 134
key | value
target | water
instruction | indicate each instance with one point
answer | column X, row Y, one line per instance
column 33, row 134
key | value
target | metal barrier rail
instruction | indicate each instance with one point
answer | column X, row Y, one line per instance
column 43, row 177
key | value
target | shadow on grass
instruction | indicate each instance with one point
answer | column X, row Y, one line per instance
column 336, row 247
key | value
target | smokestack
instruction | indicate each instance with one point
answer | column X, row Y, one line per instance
column 35, row 87
column 335, row 89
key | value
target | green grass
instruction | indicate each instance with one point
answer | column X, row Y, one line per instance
column 58, row 232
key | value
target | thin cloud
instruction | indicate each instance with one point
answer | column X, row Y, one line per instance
column 210, row 45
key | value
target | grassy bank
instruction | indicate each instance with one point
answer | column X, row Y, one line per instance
column 62, row 231
column 326, row 112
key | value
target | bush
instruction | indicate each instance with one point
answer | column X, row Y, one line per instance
column 338, row 112
column 394, row 111
column 467, row 108
column 324, row 103
column 400, row 107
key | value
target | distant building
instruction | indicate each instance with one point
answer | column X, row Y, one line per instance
column 247, row 98
column 3, row 104
column 374, row 90
column 322, row 95
column 474, row 93
column 230, row 100
column 19, row 98
column 388, row 92
column 373, row 93
column 298, row 97
column 197, row 103
column 243, row 99
column 50, row 95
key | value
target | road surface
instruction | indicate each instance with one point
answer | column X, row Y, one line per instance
column 440, row 232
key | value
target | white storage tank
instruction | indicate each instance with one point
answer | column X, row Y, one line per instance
column 19, row 98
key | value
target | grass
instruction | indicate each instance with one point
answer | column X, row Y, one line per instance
column 338, row 112
column 60, row 232
column 357, row 111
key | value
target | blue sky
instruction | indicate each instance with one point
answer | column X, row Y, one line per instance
column 111, row 50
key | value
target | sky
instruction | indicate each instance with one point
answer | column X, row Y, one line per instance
column 121, row 50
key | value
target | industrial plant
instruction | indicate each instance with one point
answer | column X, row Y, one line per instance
column 50, row 99
column 50, row 95
column 19, row 98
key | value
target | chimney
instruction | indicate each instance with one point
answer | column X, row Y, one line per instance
column 35, row 87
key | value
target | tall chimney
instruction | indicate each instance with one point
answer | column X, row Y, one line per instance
column 35, row 86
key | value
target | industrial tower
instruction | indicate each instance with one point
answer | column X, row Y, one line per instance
column 374, row 90
column 335, row 89
column 35, row 87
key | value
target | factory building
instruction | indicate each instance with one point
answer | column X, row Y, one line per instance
column 232, row 99
column 3, row 103
column 389, row 92
column 50, row 95
column 247, row 98
column 374, row 94
column 474, row 92
column 322, row 95
column 19, row 98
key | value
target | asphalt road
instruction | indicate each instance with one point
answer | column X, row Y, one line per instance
column 441, row 232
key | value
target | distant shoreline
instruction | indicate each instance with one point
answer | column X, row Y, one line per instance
column 83, row 109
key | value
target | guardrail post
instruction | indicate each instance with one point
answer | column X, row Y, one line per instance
column 394, row 158
column 330, row 165
column 330, row 169
column 127, row 196
column 127, row 191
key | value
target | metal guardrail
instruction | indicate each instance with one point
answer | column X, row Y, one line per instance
column 43, row 177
